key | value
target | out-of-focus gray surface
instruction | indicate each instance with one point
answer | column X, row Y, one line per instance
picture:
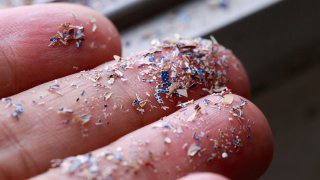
column 192, row 19
column 294, row 113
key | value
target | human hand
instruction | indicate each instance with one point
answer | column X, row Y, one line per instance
column 113, row 109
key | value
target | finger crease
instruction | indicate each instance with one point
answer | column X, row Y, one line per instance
column 26, row 157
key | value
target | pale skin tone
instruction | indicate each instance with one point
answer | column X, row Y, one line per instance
column 28, row 145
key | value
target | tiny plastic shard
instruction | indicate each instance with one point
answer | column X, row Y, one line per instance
column 193, row 149
column 206, row 101
column 82, row 92
column 107, row 95
column 124, row 79
column 55, row 88
column 185, row 104
column 99, row 122
column 70, row 33
column 94, row 28
column 212, row 156
column 19, row 109
column 65, row 110
column 167, row 140
column 117, row 58
column 182, row 92
column 111, row 81
column 213, row 39
column 119, row 73
column 83, row 119
column 227, row 99
column 164, row 107
column 140, row 110
column 224, row 155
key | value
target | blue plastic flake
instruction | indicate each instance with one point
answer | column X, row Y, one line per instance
column 54, row 87
column 233, row 130
column 166, row 126
column 200, row 72
column 196, row 137
column 136, row 102
column 117, row 156
column 158, row 98
column 53, row 39
column 158, row 91
column 19, row 109
column 236, row 141
column 165, row 76
column 76, row 163
column 166, row 85
column 151, row 58
column 206, row 101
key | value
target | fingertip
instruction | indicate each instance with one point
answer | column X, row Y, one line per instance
column 256, row 152
column 25, row 37
column 203, row 176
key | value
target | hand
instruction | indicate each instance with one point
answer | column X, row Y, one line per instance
column 113, row 113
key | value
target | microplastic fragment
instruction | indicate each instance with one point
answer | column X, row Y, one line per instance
column 227, row 99
column 206, row 101
column 164, row 107
column 18, row 110
column 117, row 156
column 185, row 103
column 94, row 28
column 70, row 33
column 111, row 81
column 161, row 125
column 83, row 119
column 123, row 79
column 182, row 92
column 65, row 110
column 167, row 140
column 224, row 155
column 55, row 89
column 7, row 102
column 212, row 156
column 195, row 137
column 117, row 58
column 193, row 149
column 82, row 92
column 119, row 73
column 107, row 95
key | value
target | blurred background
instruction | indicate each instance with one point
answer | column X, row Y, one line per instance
column 278, row 42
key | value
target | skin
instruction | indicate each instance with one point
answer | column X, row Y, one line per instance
column 28, row 145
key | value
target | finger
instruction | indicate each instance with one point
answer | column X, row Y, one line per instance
column 183, row 143
column 26, row 59
column 85, row 111
column 203, row 176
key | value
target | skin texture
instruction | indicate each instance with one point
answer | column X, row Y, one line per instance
column 41, row 133
column 26, row 59
column 135, row 147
